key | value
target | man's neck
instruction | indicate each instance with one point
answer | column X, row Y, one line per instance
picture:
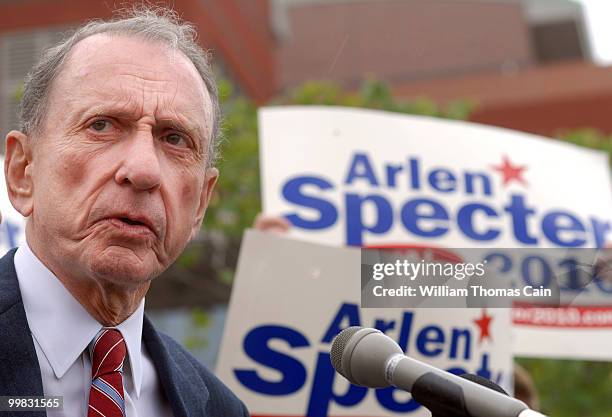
column 110, row 304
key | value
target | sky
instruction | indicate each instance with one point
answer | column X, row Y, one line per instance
column 598, row 14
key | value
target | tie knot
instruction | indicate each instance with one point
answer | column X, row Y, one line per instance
column 108, row 352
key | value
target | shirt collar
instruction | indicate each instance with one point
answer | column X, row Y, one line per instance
column 51, row 310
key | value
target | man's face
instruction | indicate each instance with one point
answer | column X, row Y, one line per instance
column 118, row 171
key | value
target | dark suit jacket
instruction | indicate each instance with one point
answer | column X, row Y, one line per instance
column 190, row 388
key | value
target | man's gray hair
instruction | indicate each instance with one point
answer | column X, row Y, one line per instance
column 150, row 23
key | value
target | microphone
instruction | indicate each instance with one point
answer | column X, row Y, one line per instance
column 484, row 382
column 369, row 358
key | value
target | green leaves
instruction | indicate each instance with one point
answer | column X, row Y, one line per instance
column 590, row 138
column 236, row 198
column 570, row 388
column 372, row 94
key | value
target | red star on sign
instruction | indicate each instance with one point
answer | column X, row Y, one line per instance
column 511, row 172
column 483, row 324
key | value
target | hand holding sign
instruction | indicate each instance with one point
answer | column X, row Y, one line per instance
column 269, row 223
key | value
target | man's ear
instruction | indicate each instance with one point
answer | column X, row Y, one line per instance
column 18, row 172
column 212, row 174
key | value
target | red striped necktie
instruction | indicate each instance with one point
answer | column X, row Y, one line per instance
column 108, row 352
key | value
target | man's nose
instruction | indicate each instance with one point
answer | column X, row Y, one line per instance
column 140, row 166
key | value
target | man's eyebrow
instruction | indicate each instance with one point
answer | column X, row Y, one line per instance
column 127, row 114
column 98, row 111
column 192, row 129
column 179, row 125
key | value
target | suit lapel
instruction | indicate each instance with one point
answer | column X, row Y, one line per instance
column 180, row 380
column 20, row 373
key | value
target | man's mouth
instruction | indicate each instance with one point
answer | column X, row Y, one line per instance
column 133, row 225
column 132, row 222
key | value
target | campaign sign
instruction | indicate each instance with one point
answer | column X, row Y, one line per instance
column 291, row 298
column 12, row 228
column 355, row 177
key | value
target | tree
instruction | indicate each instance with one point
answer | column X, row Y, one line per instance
column 589, row 138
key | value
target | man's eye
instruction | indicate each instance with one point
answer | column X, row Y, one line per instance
column 176, row 140
column 100, row 125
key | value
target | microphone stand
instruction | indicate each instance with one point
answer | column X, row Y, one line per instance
column 456, row 407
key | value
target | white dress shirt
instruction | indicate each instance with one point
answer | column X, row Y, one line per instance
column 62, row 330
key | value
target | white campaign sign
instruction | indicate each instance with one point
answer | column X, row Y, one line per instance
column 353, row 177
column 291, row 298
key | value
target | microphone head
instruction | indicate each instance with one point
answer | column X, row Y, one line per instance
column 361, row 355
column 338, row 346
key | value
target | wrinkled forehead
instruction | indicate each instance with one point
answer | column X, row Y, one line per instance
column 129, row 71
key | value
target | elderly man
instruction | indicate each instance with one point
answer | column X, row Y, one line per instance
column 113, row 168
